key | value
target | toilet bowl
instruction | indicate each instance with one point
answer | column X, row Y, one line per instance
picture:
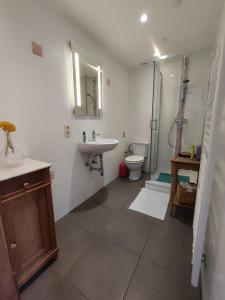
column 134, row 164
column 135, row 161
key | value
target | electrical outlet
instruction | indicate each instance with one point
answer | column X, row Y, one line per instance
column 124, row 134
column 67, row 131
column 37, row 49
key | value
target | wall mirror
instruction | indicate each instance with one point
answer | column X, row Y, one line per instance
column 87, row 77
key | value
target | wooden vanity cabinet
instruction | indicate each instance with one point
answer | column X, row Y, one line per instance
column 28, row 222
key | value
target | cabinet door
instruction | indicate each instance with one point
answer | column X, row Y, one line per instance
column 27, row 228
column 8, row 290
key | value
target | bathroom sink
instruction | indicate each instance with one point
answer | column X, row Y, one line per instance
column 99, row 146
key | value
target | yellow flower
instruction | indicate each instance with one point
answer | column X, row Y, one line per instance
column 7, row 126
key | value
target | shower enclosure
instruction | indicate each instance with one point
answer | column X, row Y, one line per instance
column 179, row 97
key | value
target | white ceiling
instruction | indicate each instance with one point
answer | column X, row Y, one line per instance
column 190, row 26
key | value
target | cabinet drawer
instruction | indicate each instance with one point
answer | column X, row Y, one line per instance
column 24, row 182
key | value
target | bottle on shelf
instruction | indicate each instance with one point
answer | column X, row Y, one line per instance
column 193, row 152
column 84, row 137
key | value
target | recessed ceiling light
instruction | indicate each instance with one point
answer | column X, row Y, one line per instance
column 171, row 75
column 143, row 18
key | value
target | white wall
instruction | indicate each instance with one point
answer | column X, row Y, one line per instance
column 140, row 99
column 199, row 72
column 140, row 102
column 35, row 94
column 213, row 277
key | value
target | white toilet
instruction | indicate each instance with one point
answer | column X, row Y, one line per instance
column 136, row 161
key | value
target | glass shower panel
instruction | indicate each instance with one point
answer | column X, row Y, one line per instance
column 171, row 80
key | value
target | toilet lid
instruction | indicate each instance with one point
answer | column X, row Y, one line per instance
column 134, row 158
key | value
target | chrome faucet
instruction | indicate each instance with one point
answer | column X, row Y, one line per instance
column 94, row 135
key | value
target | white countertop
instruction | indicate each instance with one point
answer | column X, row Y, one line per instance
column 30, row 165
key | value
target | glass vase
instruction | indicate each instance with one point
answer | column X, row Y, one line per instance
column 10, row 157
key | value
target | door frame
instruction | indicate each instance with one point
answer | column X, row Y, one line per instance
column 209, row 169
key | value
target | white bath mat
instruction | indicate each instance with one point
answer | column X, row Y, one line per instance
column 151, row 203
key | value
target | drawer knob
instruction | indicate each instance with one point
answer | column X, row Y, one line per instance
column 26, row 185
column 13, row 246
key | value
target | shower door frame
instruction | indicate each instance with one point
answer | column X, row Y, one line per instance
column 154, row 122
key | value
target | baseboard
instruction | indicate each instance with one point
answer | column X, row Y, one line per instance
column 66, row 209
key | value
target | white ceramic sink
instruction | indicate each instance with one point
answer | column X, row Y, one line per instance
column 99, row 146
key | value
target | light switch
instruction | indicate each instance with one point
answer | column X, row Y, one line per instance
column 67, row 131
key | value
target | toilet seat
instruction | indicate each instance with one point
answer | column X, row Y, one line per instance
column 134, row 159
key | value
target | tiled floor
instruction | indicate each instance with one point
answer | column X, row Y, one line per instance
column 108, row 252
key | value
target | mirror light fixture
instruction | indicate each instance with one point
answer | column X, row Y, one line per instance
column 99, row 88
column 77, row 70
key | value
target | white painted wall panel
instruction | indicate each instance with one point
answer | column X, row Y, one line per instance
column 213, row 277
column 35, row 94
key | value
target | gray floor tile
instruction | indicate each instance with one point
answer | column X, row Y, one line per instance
column 126, row 186
column 169, row 249
column 99, row 247
column 154, row 282
column 135, row 214
column 103, row 272
column 92, row 216
column 64, row 291
column 182, row 222
column 63, row 226
column 72, row 243
column 41, row 286
column 130, row 233
column 110, row 198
